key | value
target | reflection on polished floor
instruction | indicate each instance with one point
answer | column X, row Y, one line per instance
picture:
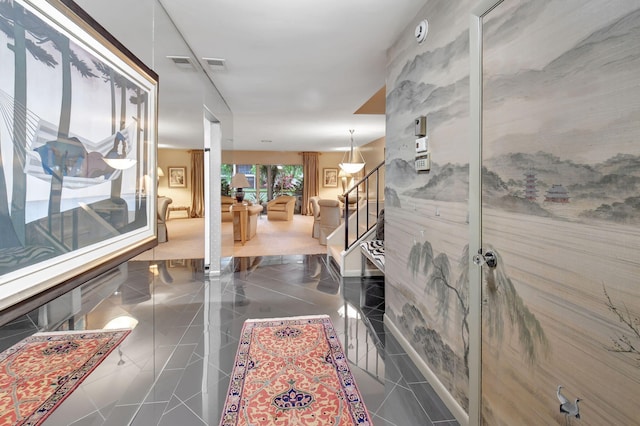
column 173, row 368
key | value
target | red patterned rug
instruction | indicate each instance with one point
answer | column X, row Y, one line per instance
column 38, row 373
column 292, row 371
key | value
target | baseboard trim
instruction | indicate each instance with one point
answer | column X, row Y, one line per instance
column 453, row 406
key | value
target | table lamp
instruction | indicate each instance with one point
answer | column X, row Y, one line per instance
column 343, row 179
column 239, row 181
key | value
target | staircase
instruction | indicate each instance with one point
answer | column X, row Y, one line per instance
column 343, row 245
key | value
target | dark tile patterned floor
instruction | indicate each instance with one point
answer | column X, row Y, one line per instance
column 173, row 369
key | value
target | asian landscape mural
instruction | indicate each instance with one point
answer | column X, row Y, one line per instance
column 74, row 141
column 561, row 207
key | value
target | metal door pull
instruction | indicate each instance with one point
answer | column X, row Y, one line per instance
column 489, row 258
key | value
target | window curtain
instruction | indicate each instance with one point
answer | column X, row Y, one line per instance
column 197, row 183
column 310, row 187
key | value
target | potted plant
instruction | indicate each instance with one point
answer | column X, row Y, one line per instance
column 225, row 189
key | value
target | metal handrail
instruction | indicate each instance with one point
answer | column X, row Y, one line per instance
column 373, row 174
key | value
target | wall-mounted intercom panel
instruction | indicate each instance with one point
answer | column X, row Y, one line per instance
column 423, row 162
column 422, row 145
column 423, row 155
column 421, row 126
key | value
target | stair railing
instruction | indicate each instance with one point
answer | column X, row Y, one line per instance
column 371, row 178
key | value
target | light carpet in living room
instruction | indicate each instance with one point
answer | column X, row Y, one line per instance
column 273, row 238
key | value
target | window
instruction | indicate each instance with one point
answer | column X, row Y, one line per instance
column 267, row 181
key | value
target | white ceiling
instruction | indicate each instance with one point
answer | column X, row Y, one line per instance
column 295, row 70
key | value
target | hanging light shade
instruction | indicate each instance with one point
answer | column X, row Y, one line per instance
column 119, row 163
column 350, row 163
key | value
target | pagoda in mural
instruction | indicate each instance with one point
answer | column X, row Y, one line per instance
column 530, row 190
column 557, row 194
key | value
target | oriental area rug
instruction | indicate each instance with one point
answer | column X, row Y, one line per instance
column 292, row 371
column 39, row 372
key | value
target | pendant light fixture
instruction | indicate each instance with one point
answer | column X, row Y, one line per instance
column 352, row 164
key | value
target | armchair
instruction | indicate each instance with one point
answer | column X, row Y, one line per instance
column 329, row 218
column 227, row 202
column 163, row 206
column 281, row 208
column 315, row 209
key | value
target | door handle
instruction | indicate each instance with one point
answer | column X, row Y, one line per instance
column 489, row 258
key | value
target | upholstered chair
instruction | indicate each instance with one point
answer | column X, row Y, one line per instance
column 329, row 218
column 315, row 209
column 226, row 203
column 281, row 208
column 163, row 206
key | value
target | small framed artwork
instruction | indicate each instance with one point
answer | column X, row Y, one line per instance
column 177, row 177
column 330, row 178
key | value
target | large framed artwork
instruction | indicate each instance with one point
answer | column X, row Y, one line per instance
column 77, row 144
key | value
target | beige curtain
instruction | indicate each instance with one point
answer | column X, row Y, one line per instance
column 197, row 183
column 311, row 179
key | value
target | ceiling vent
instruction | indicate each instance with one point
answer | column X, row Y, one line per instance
column 182, row 62
column 215, row 63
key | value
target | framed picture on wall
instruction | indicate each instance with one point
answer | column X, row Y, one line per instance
column 177, row 177
column 87, row 210
column 330, row 178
